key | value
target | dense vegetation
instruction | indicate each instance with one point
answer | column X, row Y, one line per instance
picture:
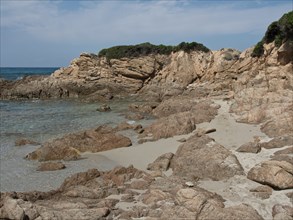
column 278, row 31
column 143, row 49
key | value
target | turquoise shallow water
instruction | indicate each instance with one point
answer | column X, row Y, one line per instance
column 41, row 120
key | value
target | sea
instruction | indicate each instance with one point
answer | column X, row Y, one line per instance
column 43, row 120
column 15, row 73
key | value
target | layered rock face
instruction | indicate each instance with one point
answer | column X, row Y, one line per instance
column 264, row 90
column 96, row 77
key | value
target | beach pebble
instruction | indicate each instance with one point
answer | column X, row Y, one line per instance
column 104, row 108
column 189, row 184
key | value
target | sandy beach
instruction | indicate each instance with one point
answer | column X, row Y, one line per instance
column 231, row 135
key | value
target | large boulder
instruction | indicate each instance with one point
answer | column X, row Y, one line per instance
column 202, row 157
column 176, row 122
column 277, row 174
column 94, row 140
column 49, row 152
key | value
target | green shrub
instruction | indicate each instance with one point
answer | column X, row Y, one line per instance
column 278, row 32
column 258, row 50
column 143, row 49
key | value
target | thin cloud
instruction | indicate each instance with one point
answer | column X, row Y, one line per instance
column 104, row 20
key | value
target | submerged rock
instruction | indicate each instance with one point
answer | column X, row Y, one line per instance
column 69, row 146
column 21, row 142
column 51, row 166
column 104, row 108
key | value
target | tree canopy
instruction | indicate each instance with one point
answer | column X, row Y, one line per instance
column 144, row 49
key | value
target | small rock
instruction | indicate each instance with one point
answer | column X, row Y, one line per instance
column 264, row 192
column 51, row 166
column 161, row 163
column 211, row 130
column 139, row 184
column 189, row 184
column 104, row 108
column 157, row 173
column 21, row 142
column 134, row 116
column 127, row 198
column 182, row 140
column 250, row 147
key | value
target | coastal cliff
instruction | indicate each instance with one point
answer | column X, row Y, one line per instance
column 221, row 170
column 261, row 87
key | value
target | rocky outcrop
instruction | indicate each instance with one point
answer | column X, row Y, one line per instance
column 201, row 157
column 177, row 119
column 113, row 195
column 176, row 124
column 69, row 146
column 277, row 174
column 261, row 88
column 263, row 91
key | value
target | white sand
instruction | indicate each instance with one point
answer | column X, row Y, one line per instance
column 229, row 133
column 141, row 155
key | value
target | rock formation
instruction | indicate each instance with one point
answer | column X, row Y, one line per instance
column 69, row 146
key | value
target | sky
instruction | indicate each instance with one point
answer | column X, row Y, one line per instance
column 51, row 33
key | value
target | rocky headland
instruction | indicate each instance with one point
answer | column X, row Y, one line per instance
column 234, row 108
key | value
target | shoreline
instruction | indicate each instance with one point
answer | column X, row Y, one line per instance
column 235, row 190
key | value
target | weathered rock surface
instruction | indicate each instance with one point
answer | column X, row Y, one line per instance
column 278, row 142
column 284, row 155
column 174, row 122
column 68, row 147
column 251, row 147
column 263, row 91
column 203, row 158
column 48, row 152
column 282, row 212
column 161, row 163
column 103, row 195
column 264, row 192
column 277, row 174
column 51, row 166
